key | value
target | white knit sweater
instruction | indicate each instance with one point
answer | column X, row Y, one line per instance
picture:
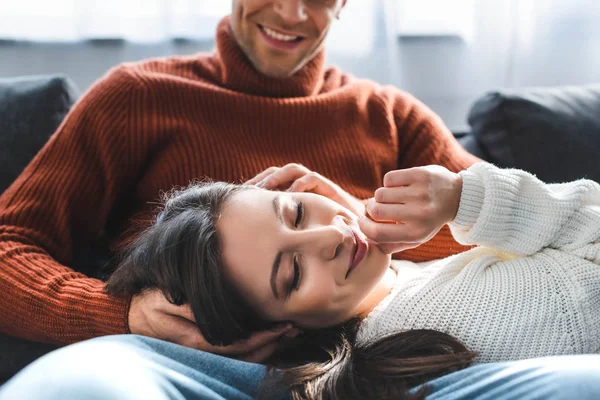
column 531, row 288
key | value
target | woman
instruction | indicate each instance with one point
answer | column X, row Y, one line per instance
column 245, row 258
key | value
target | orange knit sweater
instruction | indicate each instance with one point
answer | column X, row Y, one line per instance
column 148, row 126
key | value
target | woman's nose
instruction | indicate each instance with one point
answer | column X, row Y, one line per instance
column 322, row 241
column 291, row 12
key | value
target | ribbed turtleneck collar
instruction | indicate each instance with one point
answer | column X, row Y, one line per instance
column 238, row 73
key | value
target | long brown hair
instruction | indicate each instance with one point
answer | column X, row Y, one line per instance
column 180, row 254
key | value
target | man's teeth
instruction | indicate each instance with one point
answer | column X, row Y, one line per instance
column 279, row 36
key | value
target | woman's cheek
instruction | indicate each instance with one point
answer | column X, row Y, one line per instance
column 319, row 295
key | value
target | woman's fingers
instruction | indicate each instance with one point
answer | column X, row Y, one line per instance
column 400, row 194
column 391, row 248
column 389, row 212
column 402, row 177
column 389, row 232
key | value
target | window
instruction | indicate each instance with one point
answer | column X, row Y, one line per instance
column 137, row 20
column 435, row 18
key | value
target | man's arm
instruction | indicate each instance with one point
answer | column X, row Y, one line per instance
column 423, row 139
column 60, row 201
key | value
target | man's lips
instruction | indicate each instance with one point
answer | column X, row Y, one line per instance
column 282, row 32
column 280, row 40
column 359, row 253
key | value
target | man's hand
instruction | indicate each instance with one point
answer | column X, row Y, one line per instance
column 151, row 314
column 298, row 178
column 412, row 207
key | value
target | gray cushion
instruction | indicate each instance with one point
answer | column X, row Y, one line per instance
column 552, row 132
column 472, row 146
column 31, row 108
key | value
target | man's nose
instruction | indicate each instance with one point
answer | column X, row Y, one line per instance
column 291, row 12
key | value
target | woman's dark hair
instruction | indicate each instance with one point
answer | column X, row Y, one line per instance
column 180, row 255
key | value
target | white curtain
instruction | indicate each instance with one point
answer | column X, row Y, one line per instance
column 362, row 22
column 435, row 18
column 154, row 21
column 134, row 20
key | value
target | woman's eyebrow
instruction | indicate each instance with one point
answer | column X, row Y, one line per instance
column 277, row 207
column 275, row 269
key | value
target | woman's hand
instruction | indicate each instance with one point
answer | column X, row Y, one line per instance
column 298, row 178
column 412, row 207
column 151, row 314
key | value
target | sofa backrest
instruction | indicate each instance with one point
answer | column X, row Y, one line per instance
column 31, row 108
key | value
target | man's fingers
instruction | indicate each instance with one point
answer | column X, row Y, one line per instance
column 257, row 340
column 161, row 303
column 261, row 176
column 183, row 311
column 298, row 187
column 306, row 183
column 186, row 333
column 315, row 183
column 284, row 175
column 261, row 354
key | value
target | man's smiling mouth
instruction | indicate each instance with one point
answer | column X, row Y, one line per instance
column 279, row 35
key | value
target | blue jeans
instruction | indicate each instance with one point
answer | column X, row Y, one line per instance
column 136, row 367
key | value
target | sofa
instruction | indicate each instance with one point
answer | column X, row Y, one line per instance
column 31, row 108
column 552, row 132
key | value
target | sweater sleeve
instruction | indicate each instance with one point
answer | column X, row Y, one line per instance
column 60, row 201
column 424, row 139
column 513, row 211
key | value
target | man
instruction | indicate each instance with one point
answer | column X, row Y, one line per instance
column 263, row 98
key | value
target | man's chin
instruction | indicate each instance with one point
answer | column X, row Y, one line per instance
column 275, row 71
column 274, row 68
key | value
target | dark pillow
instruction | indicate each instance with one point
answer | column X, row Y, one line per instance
column 551, row 132
column 31, row 108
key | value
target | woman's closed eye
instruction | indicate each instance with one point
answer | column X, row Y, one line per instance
column 300, row 214
column 296, row 281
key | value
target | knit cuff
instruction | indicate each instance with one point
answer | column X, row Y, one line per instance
column 127, row 308
column 108, row 315
column 471, row 202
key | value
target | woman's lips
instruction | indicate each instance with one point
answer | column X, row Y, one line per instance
column 360, row 251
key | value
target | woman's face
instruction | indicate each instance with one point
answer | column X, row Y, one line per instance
column 289, row 255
